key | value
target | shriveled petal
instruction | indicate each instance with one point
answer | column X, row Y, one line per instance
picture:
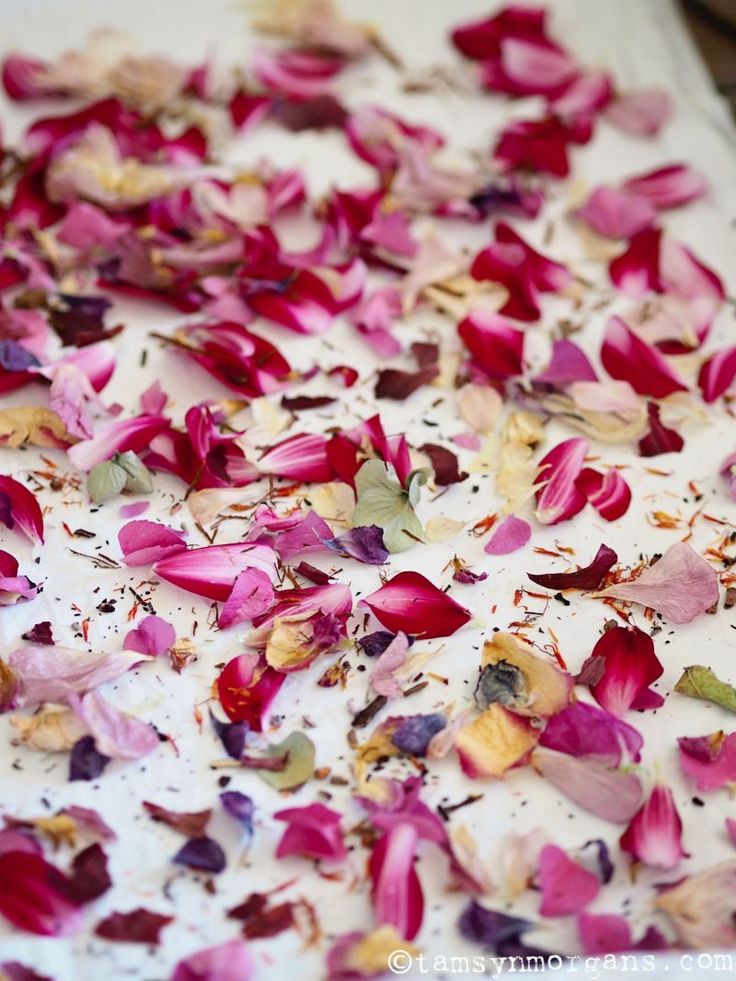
column 50, row 674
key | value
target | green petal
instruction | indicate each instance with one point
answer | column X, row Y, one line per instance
column 383, row 501
column 299, row 765
column 105, row 480
column 698, row 681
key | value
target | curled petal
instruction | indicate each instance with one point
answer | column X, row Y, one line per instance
column 410, row 603
column 581, row 729
column 396, row 890
column 496, row 345
column 717, row 374
column 654, row 834
column 560, row 497
column 609, row 494
column 628, row 358
column 589, row 577
column 129, row 434
column 246, row 687
column 245, row 362
column 495, row 742
column 660, row 439
column 629, row 666
column 680, row 586
column 313, row 831
column 709, row 761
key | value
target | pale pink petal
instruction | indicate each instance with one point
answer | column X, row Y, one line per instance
column 116, row 734
column 680, row 586
column 642, row 112
column 50, row 674
column 617, row 214
column 381, row 676
column 611, row 794
column 668, row 187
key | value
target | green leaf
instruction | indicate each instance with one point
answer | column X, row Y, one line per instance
column 383, row 501
column 139, row 479
column 105, row 480
column 698, row 681
column 299, row 764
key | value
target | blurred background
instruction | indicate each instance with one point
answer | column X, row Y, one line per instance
column 713, row 26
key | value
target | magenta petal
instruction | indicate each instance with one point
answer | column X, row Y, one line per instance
column 560, row 497
column 717, row 374
column 609, row 494
column 19, row 507
column 628, row 358
column 611, row 794
column 709, row 772
column 496, row 345
column 129, row 434
column 654, row 834
column 636, row 270
column 302, row 457
column 586, row 730
column 566, row 887
column 410, row 603
column 604, row 933
column 34, row 896
column 397, row 892
column 145, row 542
column 153, row 636
column 116, row 734
column 630, row 667
column 211, row 571
column 313, row 831
column 252, row 594
column 231, row 961
column 512, row 534
column 680, row 586
column 617, row 214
